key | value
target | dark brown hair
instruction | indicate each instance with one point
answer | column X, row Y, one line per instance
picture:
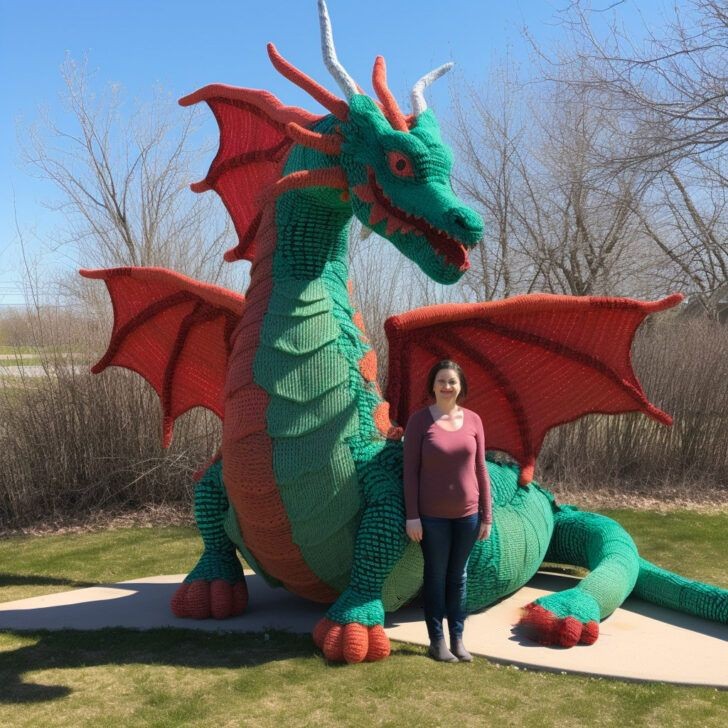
column 447, row 364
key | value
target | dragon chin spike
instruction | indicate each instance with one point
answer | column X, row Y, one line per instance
column 418, row 90
column 345, row 81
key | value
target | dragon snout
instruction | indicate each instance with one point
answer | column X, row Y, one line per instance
column 466, row 222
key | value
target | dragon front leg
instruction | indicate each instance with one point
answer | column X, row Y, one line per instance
column 607, row 550
column 216, row 586
column 352, row 630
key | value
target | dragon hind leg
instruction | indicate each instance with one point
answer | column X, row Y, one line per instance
column 216, row 586
column 352, row 630
column 607, row 550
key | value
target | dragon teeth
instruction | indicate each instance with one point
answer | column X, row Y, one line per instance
column 364, row 192
column 377, row 214
column 392, row 225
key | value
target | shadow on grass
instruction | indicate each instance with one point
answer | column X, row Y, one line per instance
column 164, row 647
column 38, row 580
column 168, row 647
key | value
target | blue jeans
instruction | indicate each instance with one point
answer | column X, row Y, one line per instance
column 446, row 547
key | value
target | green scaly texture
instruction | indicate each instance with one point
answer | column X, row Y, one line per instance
column 519, row 539
column 309, row 420
column 601, row 545
column 662, row 587
column 312, row 413
column 427, row 195
column 340, row 481
column 219, row 559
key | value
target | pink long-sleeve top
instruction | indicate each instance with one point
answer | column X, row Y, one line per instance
column 444, row 472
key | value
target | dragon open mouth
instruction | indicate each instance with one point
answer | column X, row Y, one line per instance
column 398, row 220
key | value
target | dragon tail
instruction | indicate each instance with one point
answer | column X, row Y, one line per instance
column 670, row 590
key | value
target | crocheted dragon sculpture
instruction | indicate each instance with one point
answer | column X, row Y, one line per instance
column 307, row 484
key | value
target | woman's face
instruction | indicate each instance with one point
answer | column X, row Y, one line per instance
column 446, row 387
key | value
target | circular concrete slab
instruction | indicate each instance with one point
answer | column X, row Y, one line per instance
column 638, row 642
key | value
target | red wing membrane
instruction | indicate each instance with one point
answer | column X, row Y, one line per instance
column 253, row 147
column 173, row 331
column 532, row 362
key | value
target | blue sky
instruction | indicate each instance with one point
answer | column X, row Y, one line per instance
column 185, row 44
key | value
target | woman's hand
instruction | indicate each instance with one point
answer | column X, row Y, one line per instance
column 484, row 531
column 414, row 529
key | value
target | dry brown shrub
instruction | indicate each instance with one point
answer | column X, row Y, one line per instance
column 72, row 442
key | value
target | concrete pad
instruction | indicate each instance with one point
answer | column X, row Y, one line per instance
column 638, row 642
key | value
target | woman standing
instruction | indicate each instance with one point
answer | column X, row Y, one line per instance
column 447, row 500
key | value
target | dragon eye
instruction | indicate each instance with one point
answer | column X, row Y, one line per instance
column 400, row 164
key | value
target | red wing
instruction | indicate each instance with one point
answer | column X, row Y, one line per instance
column 532, row 363
column 175, row 332
column 253, row 147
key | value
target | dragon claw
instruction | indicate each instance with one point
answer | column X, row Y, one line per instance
column 547, row 628
column 351, row 642
column 201, row 599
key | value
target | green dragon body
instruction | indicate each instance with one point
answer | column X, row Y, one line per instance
column 309, row 485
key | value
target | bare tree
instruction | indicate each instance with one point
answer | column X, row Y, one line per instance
column 560, row 223
column 672, row 89
column 489, row 135
column 687, row 220
column 123, row 181
column 669, row 99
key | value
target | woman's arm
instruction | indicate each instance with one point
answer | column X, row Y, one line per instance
column 481, row 472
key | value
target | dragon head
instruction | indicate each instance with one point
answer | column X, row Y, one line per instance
column 393, row 169
column 398, row 171
column 399, row 186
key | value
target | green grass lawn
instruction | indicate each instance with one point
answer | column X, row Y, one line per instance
column 8, row 349
column 25, row 361
column 180, row 677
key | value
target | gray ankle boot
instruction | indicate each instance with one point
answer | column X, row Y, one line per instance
column 458, row 649
column 438, row 651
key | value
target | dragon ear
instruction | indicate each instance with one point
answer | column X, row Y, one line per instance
column 256, row 132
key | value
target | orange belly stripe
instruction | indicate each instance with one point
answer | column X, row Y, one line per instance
column 247, row 448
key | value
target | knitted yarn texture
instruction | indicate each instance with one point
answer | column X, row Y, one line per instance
column 309, row 485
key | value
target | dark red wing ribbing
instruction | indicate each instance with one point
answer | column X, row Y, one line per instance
column 173, row 331
column 532, row 362
column 254, row 143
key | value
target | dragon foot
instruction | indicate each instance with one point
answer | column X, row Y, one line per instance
column 352, row 642
column 352, row 630
column 202, row 599
column 565, row 619
column 214, row 588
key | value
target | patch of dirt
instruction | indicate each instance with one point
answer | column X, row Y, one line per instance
column 175, row 514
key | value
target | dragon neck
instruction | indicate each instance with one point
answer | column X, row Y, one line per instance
column 312, row 223
column 311, row 323
column 312, row 235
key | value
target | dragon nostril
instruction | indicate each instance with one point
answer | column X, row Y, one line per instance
column 461, row 220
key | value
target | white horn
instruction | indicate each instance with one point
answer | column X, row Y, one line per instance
column 418, row 90
column 329, row 52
